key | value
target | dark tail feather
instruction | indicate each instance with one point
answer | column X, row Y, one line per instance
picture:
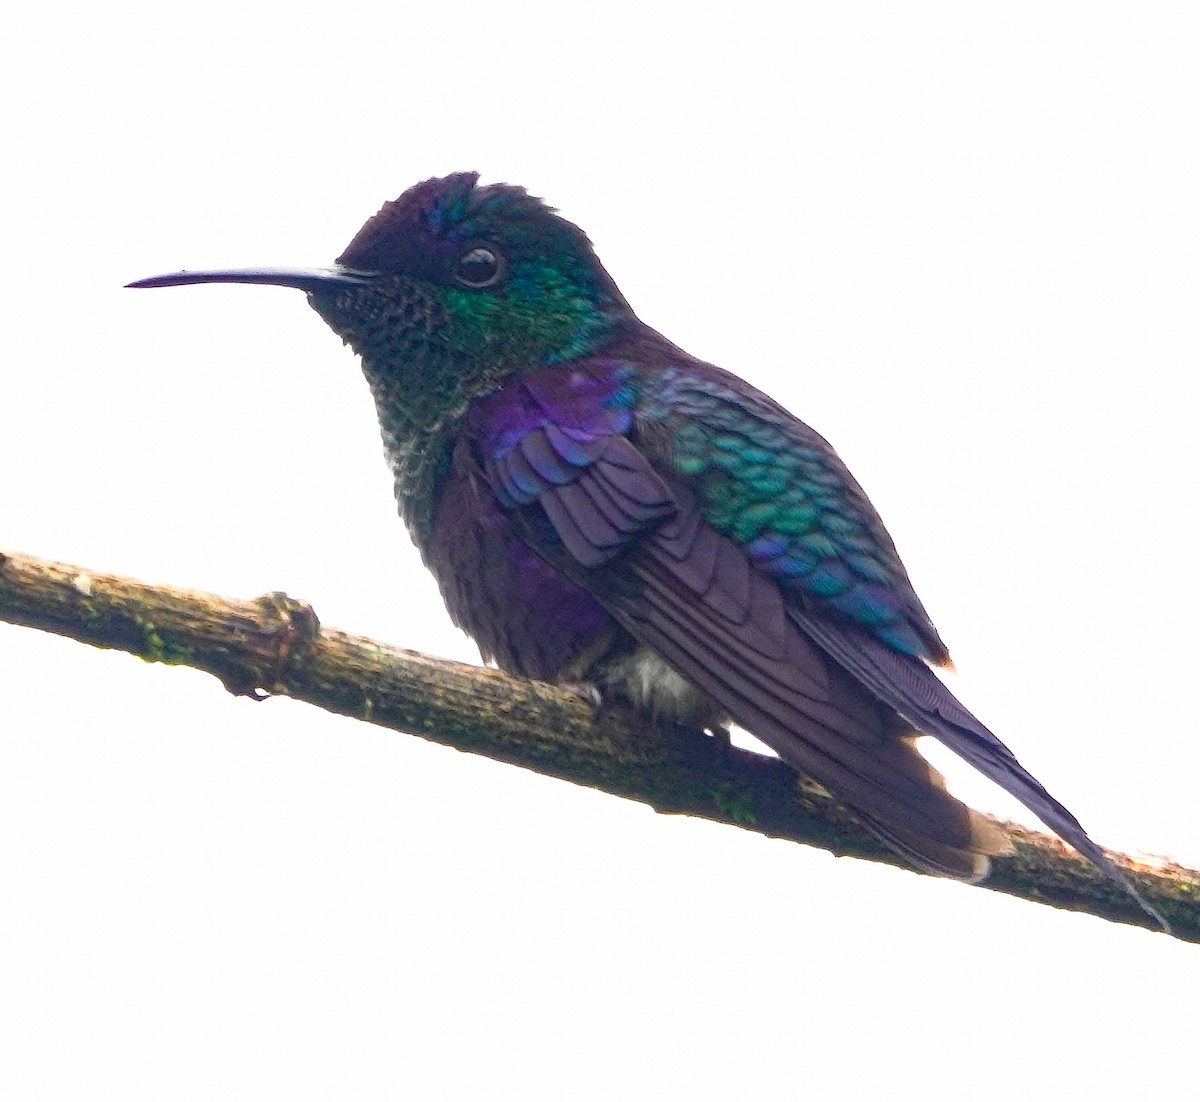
column 980, row 838
column 842, row 737
column 911, row 687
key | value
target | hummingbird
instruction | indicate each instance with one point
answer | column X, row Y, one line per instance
column 600, row 508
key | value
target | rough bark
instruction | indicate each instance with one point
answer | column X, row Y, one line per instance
column 274, row 645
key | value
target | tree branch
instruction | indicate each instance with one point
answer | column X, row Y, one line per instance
column 275, row 646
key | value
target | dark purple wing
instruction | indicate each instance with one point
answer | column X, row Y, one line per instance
column 590, row 503
column 693, row 596
column 828, row 695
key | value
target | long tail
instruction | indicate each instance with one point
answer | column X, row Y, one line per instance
column 921, row 699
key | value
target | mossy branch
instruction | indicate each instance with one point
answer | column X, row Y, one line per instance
column 275, row 646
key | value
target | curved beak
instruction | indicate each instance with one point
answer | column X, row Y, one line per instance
column 305, row 279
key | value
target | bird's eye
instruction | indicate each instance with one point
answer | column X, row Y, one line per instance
column 479, row 266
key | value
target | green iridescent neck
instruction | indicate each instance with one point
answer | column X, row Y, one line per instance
column 427, row 353
column 542, row 315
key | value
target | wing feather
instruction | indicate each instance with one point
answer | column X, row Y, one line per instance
column 835, row 686
column 726, row 628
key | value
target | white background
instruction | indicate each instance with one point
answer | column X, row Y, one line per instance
column 959, row 240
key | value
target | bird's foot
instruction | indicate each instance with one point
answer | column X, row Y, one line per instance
column 586, row 691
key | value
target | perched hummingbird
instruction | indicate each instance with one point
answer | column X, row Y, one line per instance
column 600, row 507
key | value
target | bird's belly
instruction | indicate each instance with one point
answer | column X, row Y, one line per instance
column 531, row 619
column 525, row 615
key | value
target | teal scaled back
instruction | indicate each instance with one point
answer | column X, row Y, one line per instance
column 776, row 488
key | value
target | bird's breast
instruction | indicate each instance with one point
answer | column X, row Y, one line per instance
column 522, row 612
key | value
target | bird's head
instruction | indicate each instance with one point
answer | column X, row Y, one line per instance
column 455, row 275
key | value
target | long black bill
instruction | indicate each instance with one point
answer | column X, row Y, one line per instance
column 306, row 279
